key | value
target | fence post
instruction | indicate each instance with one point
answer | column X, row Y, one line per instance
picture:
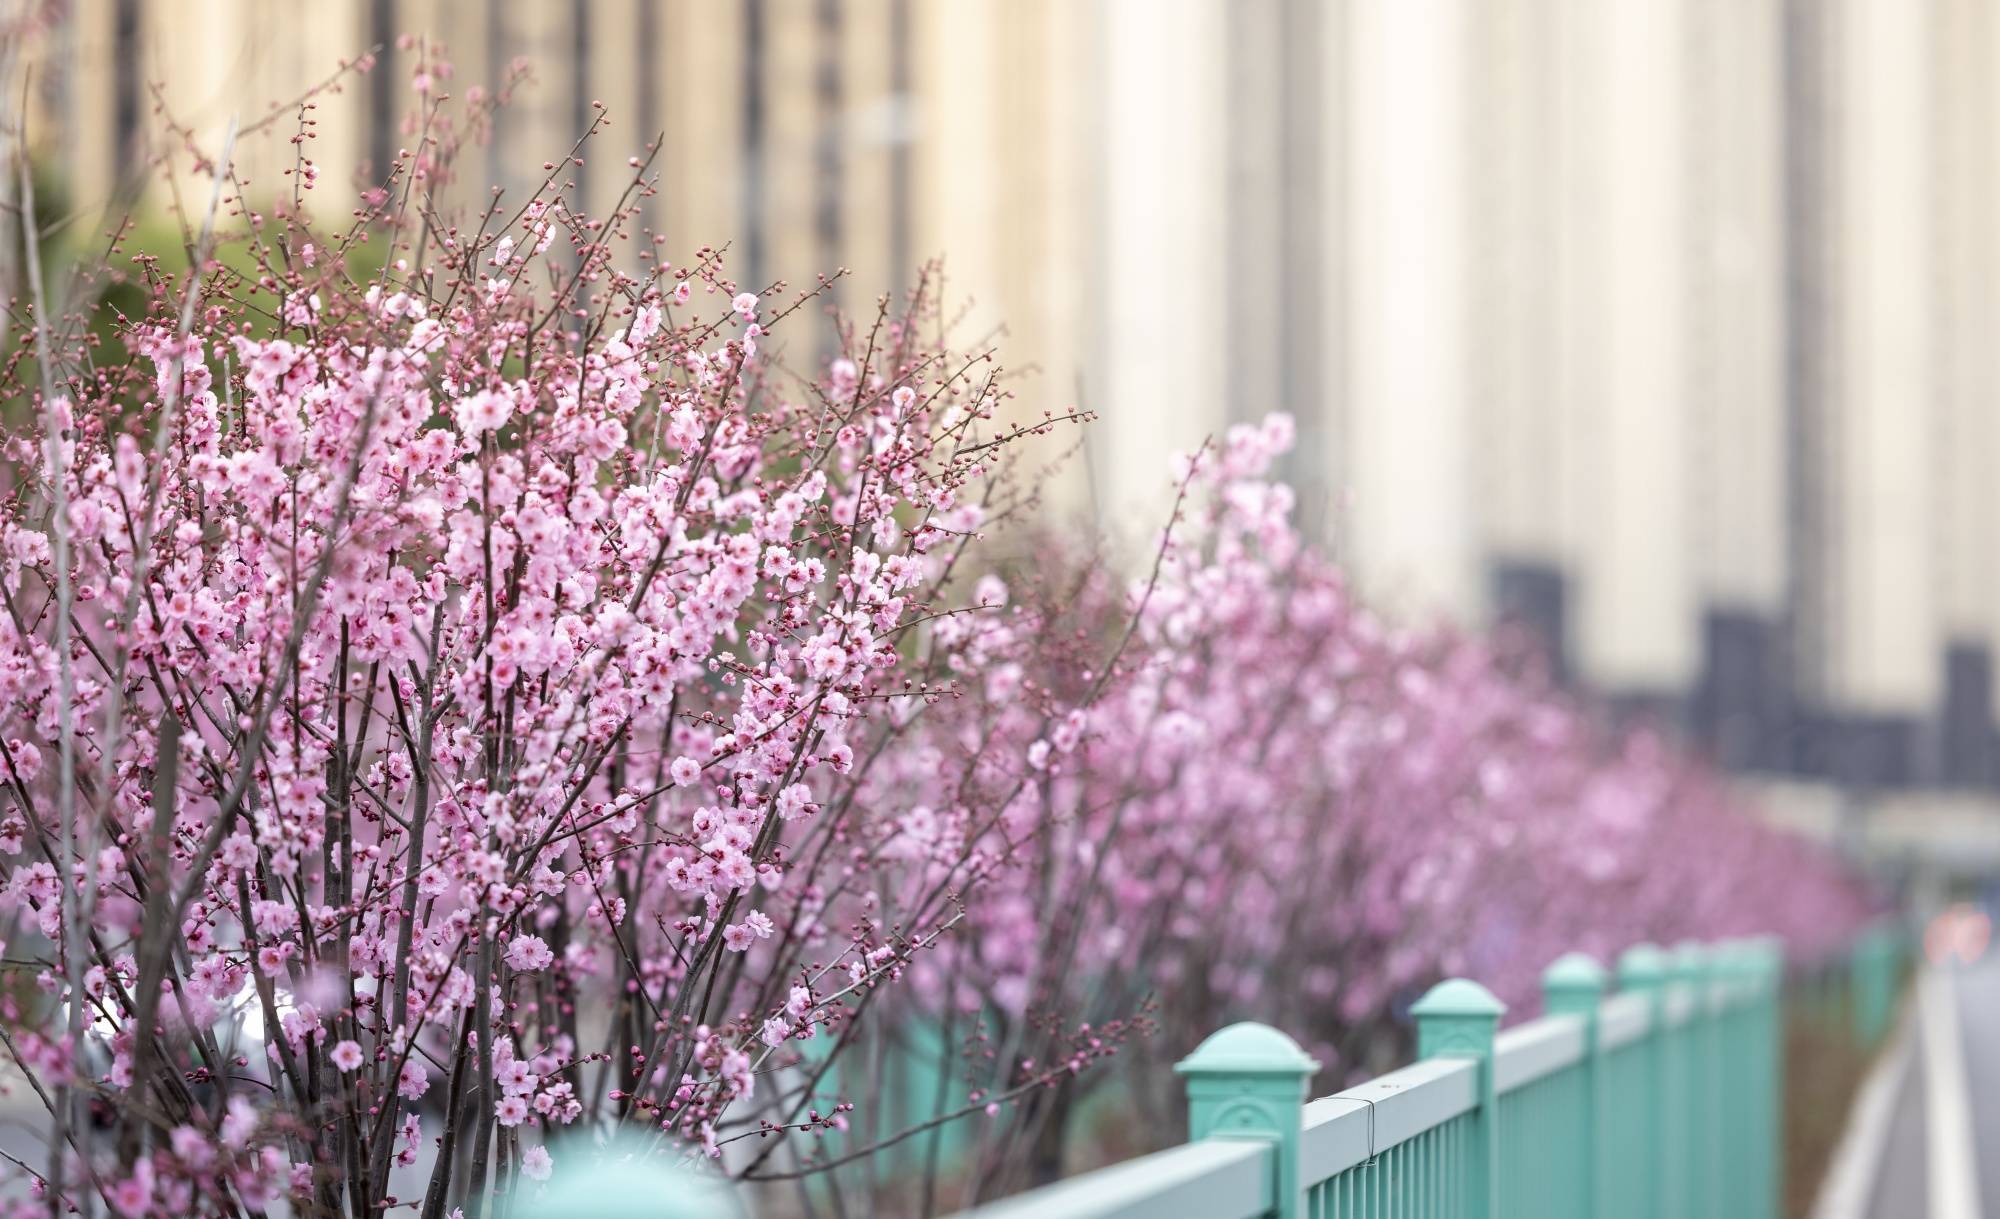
column 1643, row 970
column 1574, row 986
column 1739, row 1096
column 1875, row 983
column 1692, row 968
column 1457, row 1019
column 1249, row 1081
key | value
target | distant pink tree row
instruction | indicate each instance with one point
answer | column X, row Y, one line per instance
column 1226, row 788
column 458, row 697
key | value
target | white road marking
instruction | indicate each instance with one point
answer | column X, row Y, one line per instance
column 1954, row 1169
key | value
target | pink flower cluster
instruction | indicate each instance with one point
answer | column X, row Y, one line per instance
column 435, row 719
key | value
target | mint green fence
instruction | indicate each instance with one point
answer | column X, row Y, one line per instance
column 1875, row 980
column 1857, row 994
column 1660, row 1101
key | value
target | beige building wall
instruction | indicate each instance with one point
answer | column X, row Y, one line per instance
column 1004, row 190
column 1158, row 381
column 1253, row 184
column 1885, row 638
column 796, row 119
column 1984, row 322
column 1573, row 63
column 1056, row 341
column 1543, row 315
column 1408, row 416
column 1965, row 503
column 1325, row 416
column 1637, row 603
column 1736, row 366
column 960, row 156
column 260, row 70
column 88, row 99
column 874, row 126
column 612, row 40
column 701, row 195
column 1515, row 364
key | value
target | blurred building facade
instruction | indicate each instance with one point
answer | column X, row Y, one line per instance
column 1666, row 329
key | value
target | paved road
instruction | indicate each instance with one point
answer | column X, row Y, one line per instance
column 1941, row 1155
column 1979, row 1022
column 1901, row 1188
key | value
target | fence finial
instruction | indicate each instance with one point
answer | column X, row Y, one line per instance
column 1689, row 964
column 1457, row 1017
column 1574, row 984
column 625, row 1179
column 1249, row 1081
column 1642, row 967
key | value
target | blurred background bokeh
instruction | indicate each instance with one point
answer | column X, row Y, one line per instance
column 1663, row 330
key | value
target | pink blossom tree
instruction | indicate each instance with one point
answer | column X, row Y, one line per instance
column 435, row 699
column 1227, row 789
